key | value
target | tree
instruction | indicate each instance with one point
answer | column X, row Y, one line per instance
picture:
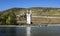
column 11, row 19
column 3, row 19
column 8, row 20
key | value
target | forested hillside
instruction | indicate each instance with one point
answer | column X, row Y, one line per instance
column 8, row 16
column 36, row 11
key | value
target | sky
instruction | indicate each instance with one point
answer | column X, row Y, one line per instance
column 7, row 4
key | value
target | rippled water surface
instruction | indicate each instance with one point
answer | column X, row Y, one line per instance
column 35, row 31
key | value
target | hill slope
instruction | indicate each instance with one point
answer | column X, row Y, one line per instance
column 36, row 11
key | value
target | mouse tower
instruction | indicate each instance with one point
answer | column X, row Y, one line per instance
column 29, row 17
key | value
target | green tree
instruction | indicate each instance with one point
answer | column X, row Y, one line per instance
column 3, row 19
column 8, row 20
column 11, row 19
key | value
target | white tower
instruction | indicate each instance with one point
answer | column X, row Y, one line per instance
column 29, row 17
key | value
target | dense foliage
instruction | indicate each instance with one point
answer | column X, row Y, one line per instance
column 8, row 18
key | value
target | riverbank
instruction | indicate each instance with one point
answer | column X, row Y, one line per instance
column 40, row 25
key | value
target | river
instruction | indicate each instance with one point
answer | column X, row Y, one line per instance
column 30, row 31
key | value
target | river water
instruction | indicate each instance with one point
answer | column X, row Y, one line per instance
column 33, row 31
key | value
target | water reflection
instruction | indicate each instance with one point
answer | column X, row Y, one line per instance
column 45, row 31
column 20, row 31
column 7, row 31
column 30, row 31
